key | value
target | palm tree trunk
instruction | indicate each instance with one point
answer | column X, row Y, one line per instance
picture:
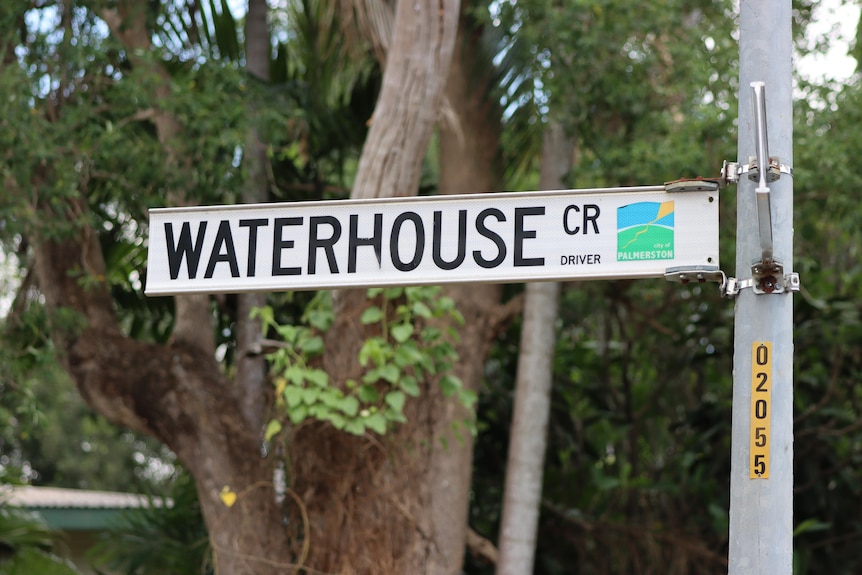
column 527, row 443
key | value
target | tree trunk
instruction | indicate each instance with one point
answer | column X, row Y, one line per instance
column 469, row 163
column 177, row 392
column 527, row 438
column 409, row 101
column 369, row 500
column 250, row 363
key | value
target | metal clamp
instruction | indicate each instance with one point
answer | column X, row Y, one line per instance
column 763, row 282
column 698, row 274
column 731, row 172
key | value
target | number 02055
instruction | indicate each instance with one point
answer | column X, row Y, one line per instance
column 761, row 408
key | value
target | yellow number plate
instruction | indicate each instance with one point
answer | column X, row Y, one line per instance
column 761, row 408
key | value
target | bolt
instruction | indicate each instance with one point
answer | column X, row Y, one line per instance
column 767, row 284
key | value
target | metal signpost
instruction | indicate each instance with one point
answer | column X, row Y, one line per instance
column 761, row 482
column 605, row 233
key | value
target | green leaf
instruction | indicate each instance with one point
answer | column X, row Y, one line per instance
column 376, row 422
column 468, row 398
column 395, row 400
column 368, row 393
column 373, row 350
column 349, row 405
column 319, row 411
column 422, row 310
column 312, row 345
column 811, row 525
column 372, row 314
column 409, row 385
column 430, row 334
column 317, row 377
column 293, row 395
column 393, row 292
column 298, row 414
column 265, row 315
column 309, row 395
column 295, row 374
column 402, row 332
column 288, row 333
column 354, row 426
column 449, row 384
column 272, row 429
column 395, row 416
column 337, row 421
column 331, row 397
column 390, row 373
column 408, row 354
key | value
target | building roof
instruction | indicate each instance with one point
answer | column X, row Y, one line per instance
column 76, row 509
column 61, row 498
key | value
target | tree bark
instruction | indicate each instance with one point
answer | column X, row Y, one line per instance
column 250, row 363
column 409, row 102
column 403, row 500
column 469, row 146
column 527, row 438
column 177, row 392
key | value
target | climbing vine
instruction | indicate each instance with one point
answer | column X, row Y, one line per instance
column 410, row 348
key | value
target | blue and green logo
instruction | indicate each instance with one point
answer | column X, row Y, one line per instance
column 645, row 231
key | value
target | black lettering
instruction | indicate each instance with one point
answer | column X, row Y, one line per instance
column 761, row 386
column 576, row 229
column 494, row 237
column 762, row 355
column 420, row 242
column 591, row 214
column 355, row 241
column 184, row 247
column 327, row 244
column 521, row 234
column 760, row 409
column 760, row 436
column 223, row 238
column 279, row 244
column 437, row 241
column 252, row 226
column 759, row 464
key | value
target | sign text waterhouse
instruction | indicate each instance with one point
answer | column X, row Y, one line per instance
column 504, row 237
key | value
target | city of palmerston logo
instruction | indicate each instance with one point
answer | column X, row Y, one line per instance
column 645, row 231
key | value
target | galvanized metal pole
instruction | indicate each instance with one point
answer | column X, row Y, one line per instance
column 761, row 482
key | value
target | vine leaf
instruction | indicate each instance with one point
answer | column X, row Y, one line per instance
column 272, row 429
column 395, row 400
column 376, row 422
column 372, row 314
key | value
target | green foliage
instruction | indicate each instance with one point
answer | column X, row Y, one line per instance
column 26, row 543
column 638, row 443
column 48, row 436
column 644, row 90
column 167, row 536
column 408, row 351
column 30, row 560
column 827, row 332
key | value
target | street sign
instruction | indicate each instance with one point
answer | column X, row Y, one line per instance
column 506, row 237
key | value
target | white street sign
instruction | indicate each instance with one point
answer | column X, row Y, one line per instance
column 504, row 238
